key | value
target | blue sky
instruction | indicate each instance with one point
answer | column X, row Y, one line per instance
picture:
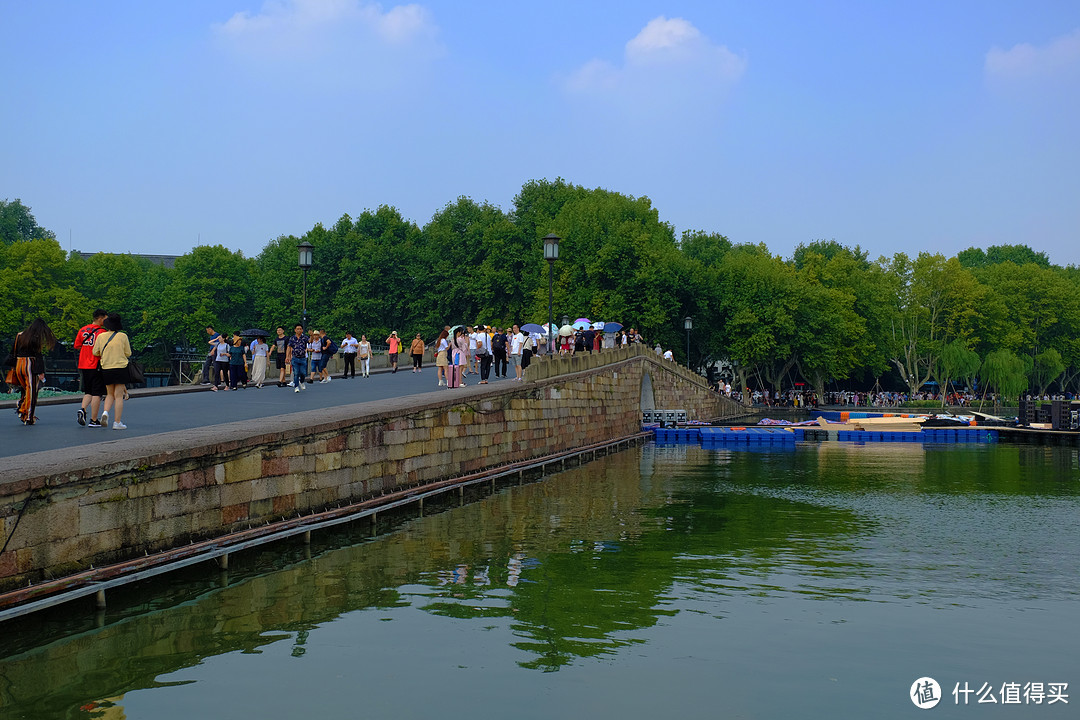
column 153, row 126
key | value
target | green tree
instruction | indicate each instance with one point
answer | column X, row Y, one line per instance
column 279, row 284
column 976, row 258
column 380, row 285
column 760, row 314
column 1043, row 310
column 1048, row 367
column 938, row 302
column 36, row 280
column 478, row 267
column 618, row 262
column 211, row 285
column 872, row 293
column 1006, row 373
column 957, row 360
column 17, row 224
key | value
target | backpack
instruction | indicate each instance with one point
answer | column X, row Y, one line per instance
column 331, row 349
column 498, row 342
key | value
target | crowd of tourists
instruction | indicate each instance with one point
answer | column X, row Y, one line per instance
column 801, row 398
column 240, row 360
column 302, row 358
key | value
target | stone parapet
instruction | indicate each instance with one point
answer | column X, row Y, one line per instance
column 104, row 503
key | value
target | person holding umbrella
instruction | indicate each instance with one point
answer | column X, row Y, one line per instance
column 566, row 342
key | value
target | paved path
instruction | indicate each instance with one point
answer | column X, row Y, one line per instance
column 147, row 414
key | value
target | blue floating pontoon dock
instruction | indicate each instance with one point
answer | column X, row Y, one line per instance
column 708, row 435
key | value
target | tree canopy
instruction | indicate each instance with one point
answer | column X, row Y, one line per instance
column 1004, row 315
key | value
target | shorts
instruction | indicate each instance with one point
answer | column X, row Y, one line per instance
column 280, row 360
column 515, row 360
column 114, row 376
column 92, row 383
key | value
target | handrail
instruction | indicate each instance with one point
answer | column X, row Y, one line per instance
column 544, row 367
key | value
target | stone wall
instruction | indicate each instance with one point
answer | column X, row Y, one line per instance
column 99, row 505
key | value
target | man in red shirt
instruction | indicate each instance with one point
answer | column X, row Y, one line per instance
column 93, row 386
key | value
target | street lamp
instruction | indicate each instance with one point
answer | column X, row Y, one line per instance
column 305, row 249
column 551, row 254
column 688, row 325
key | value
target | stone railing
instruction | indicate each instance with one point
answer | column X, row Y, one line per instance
column 543, row 367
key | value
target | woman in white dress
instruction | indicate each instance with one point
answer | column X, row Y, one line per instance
column 442, row 346
column 259, row 353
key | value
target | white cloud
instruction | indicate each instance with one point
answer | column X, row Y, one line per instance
column 667, row 54
column 306, row 27
column 1025, row 61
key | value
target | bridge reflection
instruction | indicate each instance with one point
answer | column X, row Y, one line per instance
column 577, row 564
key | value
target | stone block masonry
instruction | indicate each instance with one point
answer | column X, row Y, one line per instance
column 95, row 505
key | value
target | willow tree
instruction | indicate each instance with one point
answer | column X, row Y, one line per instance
column 957, row 360
column 1006, row 373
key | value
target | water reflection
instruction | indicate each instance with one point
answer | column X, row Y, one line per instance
column 596, row 560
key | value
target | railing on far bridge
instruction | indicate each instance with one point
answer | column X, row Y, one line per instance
column 543, row 367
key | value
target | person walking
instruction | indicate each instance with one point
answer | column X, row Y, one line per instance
column 296, row 355
column 279, row 350
column 329, row 347
column 114, row 349
column 28, row 373
column 416, row 349
column 442, row 347
column 483, row 353
column 210, row 366
column 363, row 351
column 315, row 355
column 459, row 351
column 471, row 365
column 349, row 346
column 395, row 347
column 221, row 362
column 260, row 352
column 517, row 345
column 237, row 362
column 498, row 352
column 90, row 369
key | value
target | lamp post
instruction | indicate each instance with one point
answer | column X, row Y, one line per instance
column 305, row 249
column 551, row 254
column 688, row 325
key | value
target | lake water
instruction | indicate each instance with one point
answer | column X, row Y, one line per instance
column 664, row 581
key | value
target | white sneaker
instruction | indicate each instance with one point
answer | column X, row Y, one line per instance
column 104, row 418
column 303, row 386
column 119, row 426
column 296, row 389
column 328, row 378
